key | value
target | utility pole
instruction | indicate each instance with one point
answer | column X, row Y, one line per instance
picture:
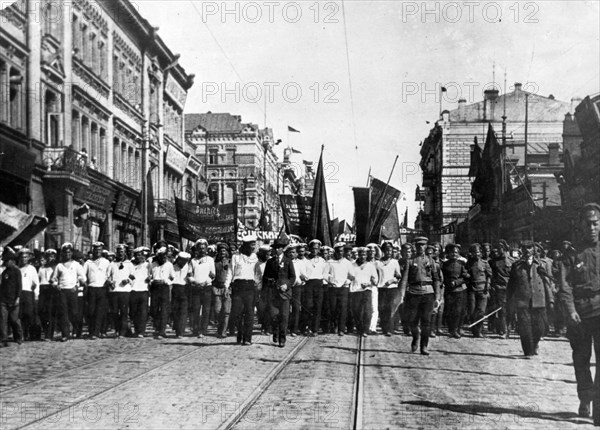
column 526, row 138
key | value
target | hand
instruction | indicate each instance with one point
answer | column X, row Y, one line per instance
column 575, row 319
column 17, row 301
column 283, row 287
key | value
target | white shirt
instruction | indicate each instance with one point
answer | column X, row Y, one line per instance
column 366, row 273
column 141, row 272
column 96, row 271
column 67, row 277
column 389, row 270
column 120, row 277
column 44, row 274
column 30, row 279
column 339, row 272
column 317, row 268
column 300, row 269
column 259, row 271
column 201, row 269
column 164, row 273
column 242, row 267
column 181, row 274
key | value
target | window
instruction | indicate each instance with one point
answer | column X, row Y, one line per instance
column 76, row 37
column 189, row 190
column 101, row 162
column 94, row 144
column 85, row 44
column 53, row 119
column 102, row 60
column 117, row 160
column 16, row 99
column 213, row 157
column 116, row 75
column 76, row 130
column 52, row 18
column 93, row 63
column 138, row 171
column 230, row 156
column 85, row 135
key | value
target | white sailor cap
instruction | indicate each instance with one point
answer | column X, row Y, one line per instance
column 317, row 241
column 66, row 245
column 161, row 250
column 184, row 255
column 97, row 244
column 339, row 245
column 201, row 241
column 250, row 238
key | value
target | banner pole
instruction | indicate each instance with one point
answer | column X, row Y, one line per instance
column 380, row 200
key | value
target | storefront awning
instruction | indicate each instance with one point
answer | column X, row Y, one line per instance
column 17, row 227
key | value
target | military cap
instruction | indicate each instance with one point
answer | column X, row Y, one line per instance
column 290, row 247
column 9, row 253
column 317, row 241
column 161, row 250
column 302, row 245
column 589, row 209
column 421, row 239
column 139, row 250
column 121, row 246
column 339, row 245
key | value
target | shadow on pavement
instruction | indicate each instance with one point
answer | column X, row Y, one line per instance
column 528, row 411
column 472, row 372
column 480, row 354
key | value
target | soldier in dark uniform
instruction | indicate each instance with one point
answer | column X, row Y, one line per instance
column 455, row 291
column 480, row 275
column 529, row 292
column 278, row 278
column 580, row 292
column 421, row 284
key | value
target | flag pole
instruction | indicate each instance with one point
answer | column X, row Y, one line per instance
column 380, row 200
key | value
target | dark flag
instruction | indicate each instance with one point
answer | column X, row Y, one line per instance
column 296, row 210
column 362, row 203
column 390, row 230
column 492, row 169
column 405, row 222
column 476, row 171
column 320, row 225
column 383, row 199
column 265, row 223
column 335, row 226
column 293, row 130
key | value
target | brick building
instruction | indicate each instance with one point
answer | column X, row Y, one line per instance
column 446, row 153
column 92, row 98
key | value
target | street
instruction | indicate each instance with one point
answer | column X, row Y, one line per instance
column 321, row 382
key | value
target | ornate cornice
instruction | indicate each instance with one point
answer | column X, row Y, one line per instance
column 90, row 78
column 131, row 54
column 92, row 14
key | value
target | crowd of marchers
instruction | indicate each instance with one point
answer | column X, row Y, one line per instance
column 420, row 289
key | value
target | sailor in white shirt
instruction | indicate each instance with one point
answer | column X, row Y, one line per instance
column 340, row 276
column 373, row 256
column 47, row 294
column 365, row 279
column 29, row 294
column 138, row 298
column 243, row 289
column 297, row 289
column 67, row 276
column 163, row 275
column 389, row 293
column 201, row 274
column 316, row 270
column 96, row 272
column 120, row 276
column 179, row 293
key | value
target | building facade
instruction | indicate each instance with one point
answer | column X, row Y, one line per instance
column 96, row 98
column 447, row 151
column 240, row 165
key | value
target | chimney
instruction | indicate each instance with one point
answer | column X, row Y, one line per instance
column 553, row 157
column 490, row 97
column 461, row 110
column 518, row 86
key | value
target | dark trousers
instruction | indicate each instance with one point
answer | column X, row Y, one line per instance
column 455, row 307
column 280, row 315
column 338, row 306
column 243, row 296
column 262, row 310
column 201, row 298
column 67, row 310
column 418, row 310
column 179, row 306
column 477, row 301
column 97, row 308
column 222, row 308
column 532, row 326
column 28, row 314
column 46, row 307
column 296, row 308
column 78, row 327
column 499, row 300
column 119, row 310
column 9, row 314
column 312, row 302
column 138, row 310
column 581, row 338
column 362, row 308
column 159, row 307
column 388, row 302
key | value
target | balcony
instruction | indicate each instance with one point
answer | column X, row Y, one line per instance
column 165, row 211
column 66, row 164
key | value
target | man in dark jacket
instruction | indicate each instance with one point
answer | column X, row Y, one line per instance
column 501, row 264
column 278, row 278
column 580, row 292
column 529, row 292
column 10, row 291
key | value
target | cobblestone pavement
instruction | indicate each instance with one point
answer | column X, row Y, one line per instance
column 189, row 383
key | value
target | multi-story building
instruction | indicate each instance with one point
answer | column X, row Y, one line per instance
column 446, row 153
column 580, row 180
column 240, row 164
column 92, row 98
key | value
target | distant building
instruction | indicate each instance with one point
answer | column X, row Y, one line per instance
column 240, row 164
column 446, row 157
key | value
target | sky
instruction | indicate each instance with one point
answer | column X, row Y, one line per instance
column 362, row 77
